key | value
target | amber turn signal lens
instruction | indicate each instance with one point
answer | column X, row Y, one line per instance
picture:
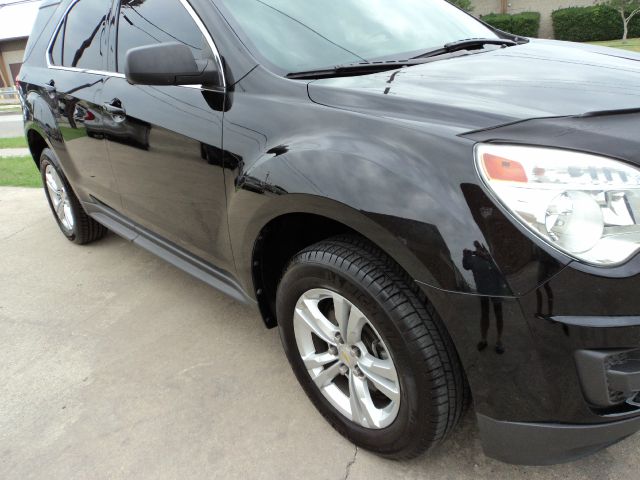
column 500, row 168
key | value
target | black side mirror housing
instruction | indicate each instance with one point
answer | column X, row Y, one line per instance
column 169, row 64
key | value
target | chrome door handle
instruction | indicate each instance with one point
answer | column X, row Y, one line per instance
column 114, row 108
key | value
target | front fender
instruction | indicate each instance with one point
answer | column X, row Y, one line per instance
column 256, row 213
column 284, row 154
column 403, row 215
column 411, row 187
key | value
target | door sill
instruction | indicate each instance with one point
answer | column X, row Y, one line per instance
column 217, row 278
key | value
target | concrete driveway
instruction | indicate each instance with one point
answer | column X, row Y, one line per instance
column 114, row 364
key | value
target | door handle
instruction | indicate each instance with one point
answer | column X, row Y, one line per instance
column 50, row 87
column 114, row 107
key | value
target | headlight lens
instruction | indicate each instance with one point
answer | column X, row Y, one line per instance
column 584, row 205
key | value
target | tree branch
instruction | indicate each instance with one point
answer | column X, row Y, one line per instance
column 634, row 13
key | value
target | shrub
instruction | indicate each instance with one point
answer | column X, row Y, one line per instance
column 584, row 24
column 590, row 24
column 501, row 21
column 525, row 24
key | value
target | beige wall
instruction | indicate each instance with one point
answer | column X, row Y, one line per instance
column 545, row 7
column 11, row 52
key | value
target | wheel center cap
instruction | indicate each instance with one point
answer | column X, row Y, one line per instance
column 345, row 356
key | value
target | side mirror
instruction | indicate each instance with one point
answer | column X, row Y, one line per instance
column 168, row 64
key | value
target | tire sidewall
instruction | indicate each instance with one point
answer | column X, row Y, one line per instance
column 300, row 278
column 48, row 158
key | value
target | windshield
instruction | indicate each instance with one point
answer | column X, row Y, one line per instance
column 299, row 35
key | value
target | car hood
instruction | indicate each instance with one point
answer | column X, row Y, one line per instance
column 540, row 79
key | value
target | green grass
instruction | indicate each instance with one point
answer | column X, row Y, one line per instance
column 11, row 109
column 72, row 133
column 19, row 172
column 632, row 44
column 13, row 142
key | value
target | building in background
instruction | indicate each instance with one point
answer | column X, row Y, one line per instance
column 16, row 20
column 545, row 7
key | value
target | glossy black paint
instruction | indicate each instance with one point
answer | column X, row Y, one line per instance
column 389, row 156
column 175, row 186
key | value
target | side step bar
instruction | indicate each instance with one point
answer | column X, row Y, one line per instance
column 178, row 257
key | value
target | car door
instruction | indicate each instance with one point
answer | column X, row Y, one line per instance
column 165, row 143
column 77, row 58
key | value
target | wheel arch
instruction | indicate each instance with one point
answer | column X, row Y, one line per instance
column 267, row 264
column 36, row 143
column 41, row 127
column 283, row 226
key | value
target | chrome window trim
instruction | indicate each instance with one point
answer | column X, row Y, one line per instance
column 85, row 70
column 53, row 37
column 203, row 30
column 186, row 5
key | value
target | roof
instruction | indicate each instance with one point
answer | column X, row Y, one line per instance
column 17, row 18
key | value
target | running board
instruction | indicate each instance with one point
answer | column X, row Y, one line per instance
column 176, row 256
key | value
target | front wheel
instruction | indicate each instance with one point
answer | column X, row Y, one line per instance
column 368, row 350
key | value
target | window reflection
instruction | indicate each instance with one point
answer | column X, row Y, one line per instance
column 79, row 42
column 147, row 22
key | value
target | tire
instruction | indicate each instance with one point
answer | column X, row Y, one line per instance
column 432, row 386
column 73, row 221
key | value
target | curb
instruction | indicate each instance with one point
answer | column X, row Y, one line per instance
column 14, row 152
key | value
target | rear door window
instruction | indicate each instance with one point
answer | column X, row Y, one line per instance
column 82, row 37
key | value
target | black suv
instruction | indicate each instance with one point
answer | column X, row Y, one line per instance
column 429, row 209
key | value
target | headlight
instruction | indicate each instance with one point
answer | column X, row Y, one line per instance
column 584, row 205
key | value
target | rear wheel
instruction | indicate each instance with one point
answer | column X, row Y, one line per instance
column 73, row 221
column 367, row 348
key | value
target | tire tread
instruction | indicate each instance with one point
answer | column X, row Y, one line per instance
column 418, row 323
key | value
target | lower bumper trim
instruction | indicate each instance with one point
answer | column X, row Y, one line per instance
column 549, row 443
column 599, row 322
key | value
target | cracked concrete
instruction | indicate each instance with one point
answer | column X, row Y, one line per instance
column 351, row 463
column 116, row 365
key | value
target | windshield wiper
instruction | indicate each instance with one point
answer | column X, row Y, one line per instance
column 353, row 69
column 363, row 68
column 467, row 44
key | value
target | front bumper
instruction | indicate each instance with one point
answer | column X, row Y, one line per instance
column 565, row 382
column 549, row 443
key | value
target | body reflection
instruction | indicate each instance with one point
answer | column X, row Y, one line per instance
column 545, row 271
column 488, row 281
column 121, row 129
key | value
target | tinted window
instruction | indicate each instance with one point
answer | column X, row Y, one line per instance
column 82, row 36
column 299, row 35
column 145, row 22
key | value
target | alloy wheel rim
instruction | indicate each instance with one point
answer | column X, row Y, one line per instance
column 346, row 358
column 59, row 198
